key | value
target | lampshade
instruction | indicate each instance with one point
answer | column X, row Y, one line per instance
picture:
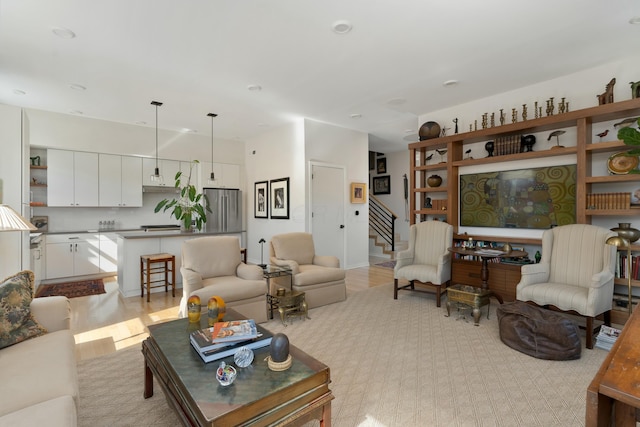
column 11, row 220
column 156, row 177
column 212, row 177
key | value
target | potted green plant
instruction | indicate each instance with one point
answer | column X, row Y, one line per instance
column 631, row 136
column 190, row 206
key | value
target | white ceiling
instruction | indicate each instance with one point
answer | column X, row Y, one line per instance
column 200, row 56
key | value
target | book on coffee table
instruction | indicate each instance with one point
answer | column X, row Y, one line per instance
column 224, row 333
column 229, row 348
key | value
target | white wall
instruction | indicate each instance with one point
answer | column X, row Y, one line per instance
column 286, row 152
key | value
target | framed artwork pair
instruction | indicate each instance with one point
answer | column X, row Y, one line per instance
column 271, row 197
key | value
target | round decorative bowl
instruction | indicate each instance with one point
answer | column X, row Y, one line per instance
column 625, row 230
column 429, row 130
column 434, row 181
column 226, row 374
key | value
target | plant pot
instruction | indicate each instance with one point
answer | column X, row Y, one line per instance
column 434, row 181
column 625, row 230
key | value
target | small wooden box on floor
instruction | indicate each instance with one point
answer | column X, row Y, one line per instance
column 157, row 265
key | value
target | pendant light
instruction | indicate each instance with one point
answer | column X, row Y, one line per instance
column 212, row 177
column 156, row 177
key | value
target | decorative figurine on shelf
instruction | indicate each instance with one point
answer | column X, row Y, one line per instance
column 493, row 119
column 427, row 203
column 444, row 131
column 635, row 89
column 562, row 107
column 485, row 120
column 442, row 152
column 524, row 112
column 528, row 141
column 556, row 133
column 514, row 115
column 538, row 257
column 434, row 181
column 607, row 96
column 475, row 125
column 456, row 128
column 501, row 117
column 489, row 146
column 535, row 110
column 468, row 154
column 429, row 157
column 602, row 134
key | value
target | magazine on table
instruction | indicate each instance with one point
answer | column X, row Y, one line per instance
column 224, row 333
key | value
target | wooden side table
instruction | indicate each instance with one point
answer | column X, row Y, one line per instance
column 157, row 264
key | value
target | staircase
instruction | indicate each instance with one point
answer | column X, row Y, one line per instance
column 382, row 230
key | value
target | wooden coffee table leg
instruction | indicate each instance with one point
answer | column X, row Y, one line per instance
column 326, row 416
column 148, row 381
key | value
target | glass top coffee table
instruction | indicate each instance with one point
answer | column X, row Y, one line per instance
column 258, row 396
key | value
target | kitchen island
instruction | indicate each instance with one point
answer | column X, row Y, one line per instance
column 133, row 244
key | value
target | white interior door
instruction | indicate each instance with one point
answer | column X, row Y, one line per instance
column 327, row 215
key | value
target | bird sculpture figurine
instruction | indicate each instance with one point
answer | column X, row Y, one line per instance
column 468, row 154
column 426, row 159
column 603, row 134
column 626, row 122
column 442, row 153
column 556, row 133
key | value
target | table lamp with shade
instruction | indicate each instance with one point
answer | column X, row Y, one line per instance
column 10, row 220
column 621, row 242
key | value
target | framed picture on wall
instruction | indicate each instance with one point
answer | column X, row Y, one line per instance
column 358, row 192
column 382, row 184
column 261, row 199
column 381, row 165
column 279, row 198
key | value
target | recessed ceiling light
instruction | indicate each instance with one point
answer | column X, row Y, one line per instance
column 263, row 125
column 19, row 92
column 63, row 33
column 187, row 130
column 254, row 88
column 77, row 87
column 450, row 83
column 77, row 112
column 341, row 27
column 396, row 101
column 356, row 116
column 635, row 20
column 140, row 122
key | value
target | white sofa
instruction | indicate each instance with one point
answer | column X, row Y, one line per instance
column 38, row 376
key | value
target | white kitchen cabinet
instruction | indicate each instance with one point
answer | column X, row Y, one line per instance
column 72, row 255
column 226, row 175
column 72, row 178
column 120, row 180
column 168, row 170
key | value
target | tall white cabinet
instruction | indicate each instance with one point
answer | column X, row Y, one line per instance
column 72, row 178
column 120, row 181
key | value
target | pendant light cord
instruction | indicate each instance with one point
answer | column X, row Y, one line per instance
column 213, row 116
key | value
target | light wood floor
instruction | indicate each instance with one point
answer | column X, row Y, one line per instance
column 109, row 322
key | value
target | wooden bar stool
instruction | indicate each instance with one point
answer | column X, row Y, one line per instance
column 157, row 264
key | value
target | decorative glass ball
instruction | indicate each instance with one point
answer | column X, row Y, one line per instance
column 243, row 357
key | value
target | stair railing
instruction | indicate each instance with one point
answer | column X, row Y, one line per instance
column 382, row 220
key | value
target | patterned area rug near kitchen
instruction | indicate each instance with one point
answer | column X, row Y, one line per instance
column 72, row 289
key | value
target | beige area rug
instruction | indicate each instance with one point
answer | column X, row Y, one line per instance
column 393, row 363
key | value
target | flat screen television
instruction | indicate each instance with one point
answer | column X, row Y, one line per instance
column 535, row 198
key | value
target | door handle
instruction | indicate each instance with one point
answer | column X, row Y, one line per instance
column 341, row 225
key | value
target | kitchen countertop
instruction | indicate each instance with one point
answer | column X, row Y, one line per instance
column 168, row 233
column 95, row 230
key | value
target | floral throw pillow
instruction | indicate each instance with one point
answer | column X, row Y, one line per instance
column 16, row 322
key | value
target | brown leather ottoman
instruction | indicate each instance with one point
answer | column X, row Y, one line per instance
column 538, row 332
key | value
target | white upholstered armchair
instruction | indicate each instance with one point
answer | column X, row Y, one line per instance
column 211, row 266
column 575, row 273
column 428, row 260
column 319, row 276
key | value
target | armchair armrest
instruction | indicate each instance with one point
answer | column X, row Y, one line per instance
column 53, row 313
column 600, row 279
column 404, row 258
column 191, row 281
column 326, row 261
column 534, row 273
column 249, row 272
column 292, row 265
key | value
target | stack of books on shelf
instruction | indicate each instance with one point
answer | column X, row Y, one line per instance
column 223, row 339
column 607, row 337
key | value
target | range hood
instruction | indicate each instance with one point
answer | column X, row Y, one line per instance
column 159, row 189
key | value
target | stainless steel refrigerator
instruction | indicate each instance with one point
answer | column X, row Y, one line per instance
column 226, row 210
